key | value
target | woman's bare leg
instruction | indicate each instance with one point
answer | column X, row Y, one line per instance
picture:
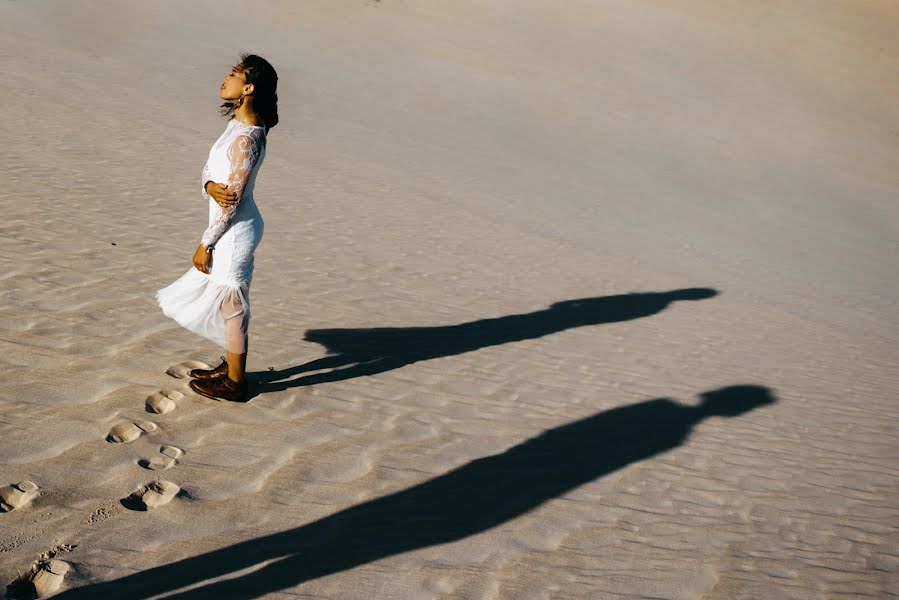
column 236, row 339
column 237, row 366
column 234, row 386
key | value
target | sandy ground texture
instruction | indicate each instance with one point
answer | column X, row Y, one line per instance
column 588, row 299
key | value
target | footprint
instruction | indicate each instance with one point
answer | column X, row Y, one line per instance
column 49, row 577
column 17, row 495
column 162, row 402
column 43, row 579
column 128, row 432
column 152, row 495
column 170, row 456
column 182, row 369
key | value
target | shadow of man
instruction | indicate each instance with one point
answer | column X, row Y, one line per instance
column 470, row 499
column 359, row 352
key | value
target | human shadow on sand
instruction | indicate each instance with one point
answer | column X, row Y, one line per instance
column 473, row 498
column 358, row 352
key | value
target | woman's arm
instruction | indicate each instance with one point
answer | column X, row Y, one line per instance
column 220, row 193
column 243, row 153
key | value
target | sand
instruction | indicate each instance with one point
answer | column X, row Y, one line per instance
column 555, row 300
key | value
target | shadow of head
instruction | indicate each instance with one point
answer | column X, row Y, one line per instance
column 735, row 400
column 605, row 309
column 691, row 294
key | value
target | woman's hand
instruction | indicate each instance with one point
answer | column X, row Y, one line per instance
column 221, row 194
column 203, row 259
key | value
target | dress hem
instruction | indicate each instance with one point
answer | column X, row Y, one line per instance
column 195, row 301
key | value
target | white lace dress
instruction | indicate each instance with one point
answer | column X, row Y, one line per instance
column 217, row 306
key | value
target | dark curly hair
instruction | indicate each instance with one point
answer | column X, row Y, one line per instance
column 262, row 75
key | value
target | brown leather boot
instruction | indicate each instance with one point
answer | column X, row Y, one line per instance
column 222, row 388
column 222, row 369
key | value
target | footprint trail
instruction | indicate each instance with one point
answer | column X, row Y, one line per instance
column 17, row 495
column 128, row 432
column 169, row 457
column 162, row 402
column 152, row 495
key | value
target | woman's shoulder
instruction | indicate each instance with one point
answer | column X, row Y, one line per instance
column 246, row 141
column 255, row 134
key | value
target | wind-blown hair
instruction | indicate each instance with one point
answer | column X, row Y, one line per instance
column 262, row 75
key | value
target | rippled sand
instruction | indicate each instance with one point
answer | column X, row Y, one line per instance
column 517, row 255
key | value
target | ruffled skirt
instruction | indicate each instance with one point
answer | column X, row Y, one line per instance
column 217, row 306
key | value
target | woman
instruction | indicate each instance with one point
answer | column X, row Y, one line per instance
column 212, row 299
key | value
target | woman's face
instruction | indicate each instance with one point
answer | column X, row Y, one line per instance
column 233, row 84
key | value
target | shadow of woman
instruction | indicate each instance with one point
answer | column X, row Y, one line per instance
column 470, row 499
column 358, row 352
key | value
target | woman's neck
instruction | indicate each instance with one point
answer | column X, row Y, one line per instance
column 246, row 115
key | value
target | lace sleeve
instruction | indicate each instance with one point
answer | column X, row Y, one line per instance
column 243, row 153
column 203, row 188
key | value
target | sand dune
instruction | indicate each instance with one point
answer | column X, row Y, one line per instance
column 581, row 300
